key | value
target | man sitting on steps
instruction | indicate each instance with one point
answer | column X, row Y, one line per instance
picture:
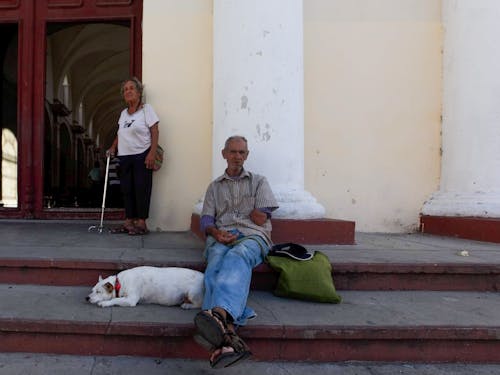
column 236, row 219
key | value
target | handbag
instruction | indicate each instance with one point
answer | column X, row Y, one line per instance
column 158, row 158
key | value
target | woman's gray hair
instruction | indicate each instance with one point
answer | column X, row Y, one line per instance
column 138, row 85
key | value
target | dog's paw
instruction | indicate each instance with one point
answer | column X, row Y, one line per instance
column 104, row 303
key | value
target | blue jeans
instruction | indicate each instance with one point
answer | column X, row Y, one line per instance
column 228, row 275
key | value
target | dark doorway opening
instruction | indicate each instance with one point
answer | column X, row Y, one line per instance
column 61, row 64
column 85, row 65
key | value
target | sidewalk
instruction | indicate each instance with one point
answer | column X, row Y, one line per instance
column 37, row 364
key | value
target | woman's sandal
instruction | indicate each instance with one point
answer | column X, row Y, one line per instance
column 138, row 231
column 122, row 229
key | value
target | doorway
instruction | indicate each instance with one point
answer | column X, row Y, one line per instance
column 85, row 64
column 62, row 62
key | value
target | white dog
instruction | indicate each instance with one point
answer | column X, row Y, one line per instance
column 165, row 286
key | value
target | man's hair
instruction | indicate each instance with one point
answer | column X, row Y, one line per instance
column 235, row 138
column 138, row 86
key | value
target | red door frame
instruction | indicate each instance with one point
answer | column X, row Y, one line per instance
column 22, row 13
column 32, row 17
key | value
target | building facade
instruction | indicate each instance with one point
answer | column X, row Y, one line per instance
column 370, row 111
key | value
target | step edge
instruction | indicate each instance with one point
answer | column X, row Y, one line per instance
column 269, row 331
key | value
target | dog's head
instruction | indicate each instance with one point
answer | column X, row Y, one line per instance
column 102, row 291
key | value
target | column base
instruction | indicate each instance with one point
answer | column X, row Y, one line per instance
column 294, row 203
column 299, row 218
column 463, row 204
column 470, row 215
column 303, row 231
column 472, row 228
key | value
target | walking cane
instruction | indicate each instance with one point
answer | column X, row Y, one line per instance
column 100, row 227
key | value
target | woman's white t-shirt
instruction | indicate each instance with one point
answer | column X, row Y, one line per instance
column 134, row 136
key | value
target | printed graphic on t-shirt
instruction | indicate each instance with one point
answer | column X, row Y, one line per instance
column 127, row 124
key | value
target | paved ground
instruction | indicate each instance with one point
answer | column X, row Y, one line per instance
column 29, row 364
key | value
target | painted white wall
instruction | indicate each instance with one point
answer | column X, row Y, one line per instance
column 471, row 116
column 372, row 109
column 177, row 72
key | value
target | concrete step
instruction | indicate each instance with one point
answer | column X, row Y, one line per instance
column 42, row 364
column 67, row 254
column 346, row 275
column 305, row 231
column 367, row 326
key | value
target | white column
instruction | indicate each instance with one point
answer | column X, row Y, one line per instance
column 470, row 177
column 259, row 93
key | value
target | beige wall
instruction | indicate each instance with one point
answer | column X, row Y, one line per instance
column 372, row 108
column 177, row 72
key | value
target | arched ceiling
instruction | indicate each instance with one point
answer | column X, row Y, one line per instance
column 96, row 59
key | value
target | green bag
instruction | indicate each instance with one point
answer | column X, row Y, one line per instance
column 309, row 280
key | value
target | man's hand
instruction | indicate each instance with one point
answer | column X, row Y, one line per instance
column 221, row 235
column 258, row 217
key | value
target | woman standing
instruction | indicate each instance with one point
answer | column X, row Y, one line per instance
column 136, row 141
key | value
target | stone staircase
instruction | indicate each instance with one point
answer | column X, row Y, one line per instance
column 405, row 298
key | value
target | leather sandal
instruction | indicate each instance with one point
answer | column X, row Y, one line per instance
column 236, row 342
column 212, row 327
column 200, row 340
column 214, row 334
column 227, row 356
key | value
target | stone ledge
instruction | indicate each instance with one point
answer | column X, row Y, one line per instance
column 346, row 275
column 320, row 343
column 472, row 228
column 306, row 231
